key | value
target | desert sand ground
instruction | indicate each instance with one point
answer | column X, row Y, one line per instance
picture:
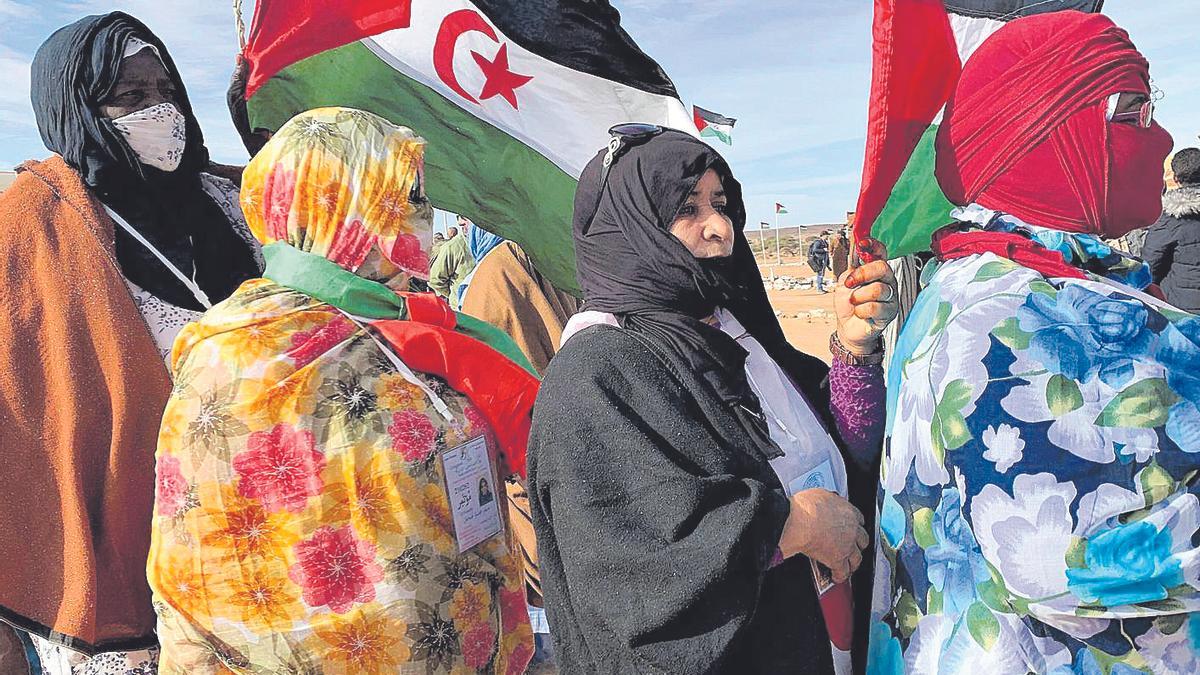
column 810, row 333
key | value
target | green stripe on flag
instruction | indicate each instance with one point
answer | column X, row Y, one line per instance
column 712, row 131
column 916, row 207
column 471, row 167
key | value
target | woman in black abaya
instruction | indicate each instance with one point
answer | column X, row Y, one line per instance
column 686, row 463
column 107, row 250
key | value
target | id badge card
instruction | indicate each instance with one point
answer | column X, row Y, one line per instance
column 473, row 493
column 819, row 477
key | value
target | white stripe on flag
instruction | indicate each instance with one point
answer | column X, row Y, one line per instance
column 970, row 32
column 564, row 114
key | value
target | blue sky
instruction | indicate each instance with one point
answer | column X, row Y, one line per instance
column 794, row 72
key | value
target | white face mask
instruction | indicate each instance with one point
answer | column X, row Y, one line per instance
column 157, row 135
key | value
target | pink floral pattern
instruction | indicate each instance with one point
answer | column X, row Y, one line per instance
column 336, row 569
column 513, row 610
column 171, row 487
column 409, row 255
column 281, row 468
column 351, row 246
column 278, row 193
column 478, row 643
column 478, row 424
column 309, row 344
column 363, row 577
column 413, row 435
column 520, row 657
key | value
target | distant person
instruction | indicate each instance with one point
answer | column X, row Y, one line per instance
column 453, row 264
column 839, row 254
column 107, row 250
column 818, row 259
column 1172, row 247
column 439, row 240
column 480, row 243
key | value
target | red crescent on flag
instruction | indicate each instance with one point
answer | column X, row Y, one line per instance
column 454, row 26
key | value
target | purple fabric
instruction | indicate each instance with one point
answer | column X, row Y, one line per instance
column 858, row 397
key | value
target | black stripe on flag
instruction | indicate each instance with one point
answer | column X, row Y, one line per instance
column 714, row 118
column 1007, row 10
column 583, row 36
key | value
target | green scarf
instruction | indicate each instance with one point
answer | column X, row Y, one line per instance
column 325, row 280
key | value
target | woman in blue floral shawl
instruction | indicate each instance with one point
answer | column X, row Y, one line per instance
column 1038, row 502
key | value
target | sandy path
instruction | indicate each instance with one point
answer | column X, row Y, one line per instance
column 810, row 333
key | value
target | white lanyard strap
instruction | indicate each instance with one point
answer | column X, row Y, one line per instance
column 403, row 369
column 200, row 295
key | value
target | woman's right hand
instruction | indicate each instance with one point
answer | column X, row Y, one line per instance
column 825, row 527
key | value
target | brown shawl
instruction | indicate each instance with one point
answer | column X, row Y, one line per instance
column 82, row 389
column 510, row 294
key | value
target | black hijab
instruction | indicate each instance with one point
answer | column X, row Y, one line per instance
column 630, row 265
column 73, row 71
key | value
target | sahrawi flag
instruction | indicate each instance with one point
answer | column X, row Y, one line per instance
column 713, row 125
column 513, row 96
column 919, row 49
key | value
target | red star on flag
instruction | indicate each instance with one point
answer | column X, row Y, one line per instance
column 501, row 81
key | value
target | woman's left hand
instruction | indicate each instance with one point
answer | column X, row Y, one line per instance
column 866, row 302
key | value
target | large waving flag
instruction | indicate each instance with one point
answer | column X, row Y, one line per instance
column 513, row 96
column 919, row 49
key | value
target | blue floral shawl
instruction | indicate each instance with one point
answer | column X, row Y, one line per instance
column 1039, row 505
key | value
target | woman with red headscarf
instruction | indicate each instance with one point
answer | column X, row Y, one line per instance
column 1037, row 510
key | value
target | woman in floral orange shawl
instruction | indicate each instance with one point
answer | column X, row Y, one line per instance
column 301, row 524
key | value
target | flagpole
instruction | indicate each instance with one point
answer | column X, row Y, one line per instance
column 778, row 259
column 241, row 25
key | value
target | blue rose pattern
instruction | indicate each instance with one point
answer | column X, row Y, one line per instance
column 1127, row 565
column 1081, row 334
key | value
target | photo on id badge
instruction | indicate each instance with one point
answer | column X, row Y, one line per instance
column 469, row 489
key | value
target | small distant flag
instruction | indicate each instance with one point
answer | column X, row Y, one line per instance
column 763, row 225
column 712, row 125
column 779, row 209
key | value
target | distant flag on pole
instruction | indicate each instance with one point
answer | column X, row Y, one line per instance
column 763, row 225
column 919, row 48
column 513, row 96
column 779, row 209
column 713, row 125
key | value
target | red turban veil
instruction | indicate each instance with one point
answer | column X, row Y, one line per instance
column 1026, row 130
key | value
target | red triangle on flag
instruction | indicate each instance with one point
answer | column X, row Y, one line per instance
column 286, row 31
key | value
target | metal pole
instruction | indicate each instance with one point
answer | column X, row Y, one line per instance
column 241, row 25
column 778, row 259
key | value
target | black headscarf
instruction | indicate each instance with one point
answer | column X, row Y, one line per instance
column 630, row 264
column 73, row 71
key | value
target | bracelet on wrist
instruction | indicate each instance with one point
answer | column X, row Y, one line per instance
column 848, row 357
